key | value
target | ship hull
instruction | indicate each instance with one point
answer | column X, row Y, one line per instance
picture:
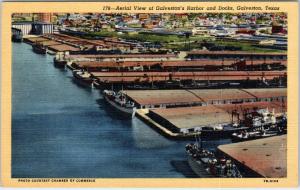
column 240, row 139
column 39, row 50
column 198, row 167
column 85, row 81
column 226, row 132
column 59, row 64
column 126, row 111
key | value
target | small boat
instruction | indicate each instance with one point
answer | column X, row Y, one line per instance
column 120, row 102
column 206, row 164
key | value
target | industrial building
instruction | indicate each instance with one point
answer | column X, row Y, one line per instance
column 181, row 98
column 37, row 28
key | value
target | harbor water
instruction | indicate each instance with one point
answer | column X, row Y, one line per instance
column 61, row 129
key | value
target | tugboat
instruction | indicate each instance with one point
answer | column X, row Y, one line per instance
column 206, row 164
column 120, row 102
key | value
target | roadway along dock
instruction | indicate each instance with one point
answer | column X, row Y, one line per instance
column 187, row 121
column 263, row 157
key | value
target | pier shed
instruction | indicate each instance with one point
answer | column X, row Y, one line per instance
column 263, row 157
column 193, row 119
column 181, row 98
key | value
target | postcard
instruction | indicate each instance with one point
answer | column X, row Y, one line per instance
column 149, row 94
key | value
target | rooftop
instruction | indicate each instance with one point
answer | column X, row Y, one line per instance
column 157, row 97
column 122, row 56
column 267, row 157
column 63, row 47
column 190, row 117
column 182, row 63
column 199, row 76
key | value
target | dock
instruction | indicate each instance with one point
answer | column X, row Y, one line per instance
column 143, row 115
column 64, row 43
column 161, row 62
column 177, row 98
column 264, row 157
column 107, row 78
column 192, row 119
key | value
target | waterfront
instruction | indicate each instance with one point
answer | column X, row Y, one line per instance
column 60, row 129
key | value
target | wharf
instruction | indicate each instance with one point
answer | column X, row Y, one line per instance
column 176, row 98
column 63, row 48
column 192, row 119
column 34, row 39
column 101, row 56
column 142, row 114
column 263, row 157
column 139, row 76
column 140, row 61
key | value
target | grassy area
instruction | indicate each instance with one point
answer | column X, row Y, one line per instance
column 247, row 47
column 145, row 37
column 177, row 42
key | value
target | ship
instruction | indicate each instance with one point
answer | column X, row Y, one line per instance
column 252, row 135
column 205, row 163
column 262, row 123
column 59, row 63
column 60, row 59
column 120, row 102
column 221, row 130
column 39, row 48
column 83, row 77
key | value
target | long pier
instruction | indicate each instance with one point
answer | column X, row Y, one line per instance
column 180, row 98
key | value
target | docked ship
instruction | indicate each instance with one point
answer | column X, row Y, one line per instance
column 59, row 63
column 222, row 131
column 262, row 123
column 205, row 163
column 39, row 48
column 82, row 77
column 120, row 102
column 61, row 59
